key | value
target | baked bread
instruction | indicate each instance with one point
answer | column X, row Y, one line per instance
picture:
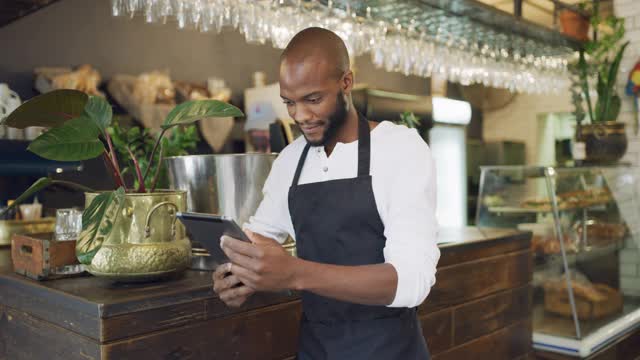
column 154, row 87
column 85, row 78
column 593, row 301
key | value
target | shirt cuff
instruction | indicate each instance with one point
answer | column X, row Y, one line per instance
column 265, row 230
column 411, row 290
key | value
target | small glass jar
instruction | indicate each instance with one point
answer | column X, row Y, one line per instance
column 68, row 224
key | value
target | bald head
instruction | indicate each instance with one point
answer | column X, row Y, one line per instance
column 319, row 46
column 316, row 84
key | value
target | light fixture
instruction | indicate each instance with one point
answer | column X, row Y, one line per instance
column 449, row 111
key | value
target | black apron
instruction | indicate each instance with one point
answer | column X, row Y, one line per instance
column 337, row 222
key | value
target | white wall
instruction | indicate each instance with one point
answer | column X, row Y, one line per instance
column 518, row 121
column 630, row 10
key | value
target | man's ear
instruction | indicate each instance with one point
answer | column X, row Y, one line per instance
column 347, row 82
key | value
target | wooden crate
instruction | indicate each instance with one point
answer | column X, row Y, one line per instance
column 40, row 257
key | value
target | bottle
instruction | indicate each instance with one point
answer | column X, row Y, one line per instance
column 12, row 214
column 259, row 79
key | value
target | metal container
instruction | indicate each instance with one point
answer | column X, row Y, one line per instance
column 223, row 184
column 146, row 241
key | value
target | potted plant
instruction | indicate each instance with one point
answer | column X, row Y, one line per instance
column 605, row 138
column 576, row 23
column 127, row 233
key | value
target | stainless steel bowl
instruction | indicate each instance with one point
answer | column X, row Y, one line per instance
column 223, row 184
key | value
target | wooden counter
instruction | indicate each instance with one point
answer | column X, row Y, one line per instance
column 478, row 309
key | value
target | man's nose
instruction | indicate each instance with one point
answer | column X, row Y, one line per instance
column 301, row 114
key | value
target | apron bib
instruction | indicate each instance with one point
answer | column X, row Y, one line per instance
column 337, row 222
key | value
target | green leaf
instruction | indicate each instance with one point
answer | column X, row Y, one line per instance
column 409, row 119
column 600, row 85
column 49, row 110
column 614, row 108
column 99, row 111
column 33, row 189
column 584, row 83
column 134, row 133
column 611, row 79
column 191, row 111
column 40, row 185
column 97, row 223
column 74, row 141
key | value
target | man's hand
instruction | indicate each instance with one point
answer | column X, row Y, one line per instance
column 227, row 289
column 263, row 265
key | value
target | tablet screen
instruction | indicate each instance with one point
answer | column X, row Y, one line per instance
column 207, row 230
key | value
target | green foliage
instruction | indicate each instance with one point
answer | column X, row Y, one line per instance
column 36, row 187
column 75, row 140
column 99, row 112
column 97, row 223
column 600, row 61
column 48, row 110
column 191, row 111
column 179, row 142
column 80, row 126
column 409, row 119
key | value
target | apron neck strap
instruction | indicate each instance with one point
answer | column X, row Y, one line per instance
column 296, row 177
column 364, row 151
column 364, row 148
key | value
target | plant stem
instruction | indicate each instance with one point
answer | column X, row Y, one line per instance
column 114, row 173
column 157, row 174
column 141, row 188
column 114, row 160
column 153, row 152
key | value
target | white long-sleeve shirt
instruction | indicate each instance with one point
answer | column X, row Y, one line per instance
column 404, row 187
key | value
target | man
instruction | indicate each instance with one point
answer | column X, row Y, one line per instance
column 359, row 199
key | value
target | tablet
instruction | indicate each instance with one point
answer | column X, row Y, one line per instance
column 207, row 229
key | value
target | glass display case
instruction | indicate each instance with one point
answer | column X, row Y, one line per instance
column 582, row 220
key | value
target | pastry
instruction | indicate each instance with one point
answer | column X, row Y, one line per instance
column 541, row 204
column 187, row 91
column 593, row 301
column 85, row 78
column 589, row 197
column 154, row 88
column 550, row 245
column 601, row 234
column 494, row 200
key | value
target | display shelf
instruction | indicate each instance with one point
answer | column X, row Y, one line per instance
column 557, row 334
column 594, row 211
column 15, row 159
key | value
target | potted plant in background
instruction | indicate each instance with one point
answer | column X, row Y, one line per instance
column 576, row 23
column 597, row 68
column 127, row 233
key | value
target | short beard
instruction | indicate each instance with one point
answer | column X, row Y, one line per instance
column 336, row 120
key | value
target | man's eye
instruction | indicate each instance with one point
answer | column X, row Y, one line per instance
column 314, row 100
column 287, row 102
